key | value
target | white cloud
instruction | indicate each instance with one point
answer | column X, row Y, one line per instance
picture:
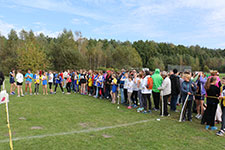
column 77, row 21
column 5, row 28
column 48, row 33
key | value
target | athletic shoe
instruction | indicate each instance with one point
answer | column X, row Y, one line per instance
column 149, row 111
column 207, row 127
column 31, row 94
column 18, row 96
column 63, row 92
column 220, row 133
column 129, row 107
column 190, row 120
column 34, row 93
column 144, row 112
column 213, row 128
column 22, row 95
column 135, row 106
column 11, row 93
column 197, row 116
column 37, row 93
column 155, row 109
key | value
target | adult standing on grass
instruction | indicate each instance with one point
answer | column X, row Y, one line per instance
column 213, row 93
column 165, row 92
column 175, row 89
column 12, row 82
column 157, row 82
column 108, row 82
column 28, row 77
column 19, row 80
column 146, row 92
column 2, row 78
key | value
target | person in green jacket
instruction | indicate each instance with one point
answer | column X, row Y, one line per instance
column 157, row 82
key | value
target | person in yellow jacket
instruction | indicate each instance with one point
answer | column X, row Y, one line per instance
column 36, row 82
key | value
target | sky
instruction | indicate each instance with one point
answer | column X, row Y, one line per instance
column 186, row 22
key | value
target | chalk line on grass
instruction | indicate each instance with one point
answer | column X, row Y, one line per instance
column 76, row 132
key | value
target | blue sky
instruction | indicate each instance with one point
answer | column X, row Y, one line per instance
column 187, row 22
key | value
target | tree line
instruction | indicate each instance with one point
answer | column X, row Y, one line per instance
column 25, row 50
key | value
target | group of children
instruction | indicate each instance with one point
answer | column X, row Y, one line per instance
column 135, row 90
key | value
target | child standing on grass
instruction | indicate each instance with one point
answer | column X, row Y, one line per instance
column 12, row 82
column 50, row 81
column 68, row 84
column 58, row 81
column 28, row 77
column 130, row 85
column 222, row 98
column 19, row 79
column 213, row 93
column 36, row 83
column 44, row 83
column 114, row 88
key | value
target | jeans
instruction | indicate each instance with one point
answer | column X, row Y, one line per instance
column 122, row 95
column 134, row 97
column 125, row 95
column 140, row 98
column 97, row 90
column 145, row 98
column 173, row 103
column 36, row 89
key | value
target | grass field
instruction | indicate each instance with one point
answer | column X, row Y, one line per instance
column 75, row 122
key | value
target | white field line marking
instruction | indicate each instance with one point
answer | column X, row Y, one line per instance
column 76, row 132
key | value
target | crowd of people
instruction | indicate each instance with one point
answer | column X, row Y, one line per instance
column 134, row 89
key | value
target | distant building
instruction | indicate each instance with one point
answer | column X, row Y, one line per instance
column 180, row 68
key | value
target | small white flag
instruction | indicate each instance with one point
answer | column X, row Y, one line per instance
column 4, row 97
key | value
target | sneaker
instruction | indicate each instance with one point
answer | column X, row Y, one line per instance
column 207, row 127
column 22, row 95
column 190, row 120
column 220, row 133
column 37, row 93
column 149, row 111
column 129, row 107
column 63, row 92
column 34, row 93
column 31, row 94
column 18, row 96
column 197, row 116
column 144, row 112
column 135, row 106
column 155, row 109
column 213, row 128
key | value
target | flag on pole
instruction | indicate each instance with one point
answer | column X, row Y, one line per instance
column 4, row 97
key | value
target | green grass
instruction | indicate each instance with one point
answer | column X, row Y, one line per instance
column 222, row 75
column 64, row 113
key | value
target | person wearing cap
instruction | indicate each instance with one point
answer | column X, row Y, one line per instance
column 165, row 89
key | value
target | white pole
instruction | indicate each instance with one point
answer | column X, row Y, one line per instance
column 182, row 110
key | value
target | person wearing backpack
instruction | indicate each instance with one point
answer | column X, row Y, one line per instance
column 165, row 92
column 146, row 91
column 157, row 82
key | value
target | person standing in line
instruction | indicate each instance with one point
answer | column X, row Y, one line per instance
column 36, row 83
column 50, row 81
column 12, row 82
column 175, row 89
column 157, row 82
column 44, row 83
column 19, row 80
column 165, row 93
column 28, row 83
column 2, row 78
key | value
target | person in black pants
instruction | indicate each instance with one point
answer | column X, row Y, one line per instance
column 2, row 78
column 213, row 93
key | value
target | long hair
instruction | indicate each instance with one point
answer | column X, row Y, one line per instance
column 209, row 81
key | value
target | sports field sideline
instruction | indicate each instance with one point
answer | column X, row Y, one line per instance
column 82, row 122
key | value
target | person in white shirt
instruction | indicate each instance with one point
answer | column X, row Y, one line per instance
column 19, row 79
column 50, row 81
column 135, row 91
column 130, row 85
column 165, row 92
column 146, row 93
column 126, row 80
column 139, row 85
